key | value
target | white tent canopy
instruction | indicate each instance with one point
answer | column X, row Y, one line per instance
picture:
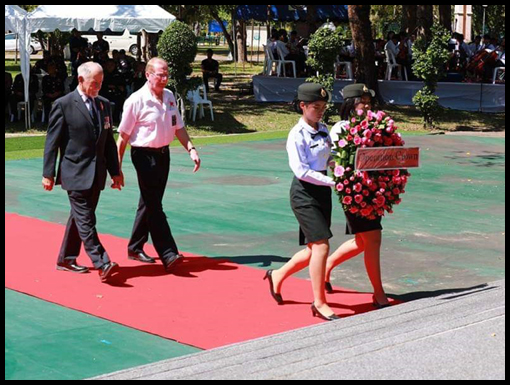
column 117, row 18
column 16, row 21
column 13, row 17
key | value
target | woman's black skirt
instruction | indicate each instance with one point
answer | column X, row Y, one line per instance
column 312, row 207
column 356, row 225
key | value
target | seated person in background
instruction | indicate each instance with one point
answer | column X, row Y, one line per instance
column 8, row 88
column 139, row 78
column 487, row 43
column 299, row 58
column 125, row 69
column 18, row 92
column 61, row 66
column 114, row 88
column 295, row 44
column 210, row 69
column 476, row 46
column 41, row 66
column 502, row 55
column 81, row 58
column 52, row 88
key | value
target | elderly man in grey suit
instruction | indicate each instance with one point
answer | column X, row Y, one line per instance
column 80, row 128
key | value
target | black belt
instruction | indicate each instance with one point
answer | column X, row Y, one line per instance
column 161, row 150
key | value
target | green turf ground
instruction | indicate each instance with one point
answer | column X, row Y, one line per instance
column 449, row 232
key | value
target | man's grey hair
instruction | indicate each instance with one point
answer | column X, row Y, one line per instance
column 86, row 69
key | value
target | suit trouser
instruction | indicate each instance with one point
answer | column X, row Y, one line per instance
column 218, row 77
column 152, row 168
column 81, row 228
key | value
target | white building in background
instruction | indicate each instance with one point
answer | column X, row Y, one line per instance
column 464, row 21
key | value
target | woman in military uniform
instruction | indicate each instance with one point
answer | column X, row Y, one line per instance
column 367, row 233
column 309, row 149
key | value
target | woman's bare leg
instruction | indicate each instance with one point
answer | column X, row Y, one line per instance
column 373, row 241
column 350, row 249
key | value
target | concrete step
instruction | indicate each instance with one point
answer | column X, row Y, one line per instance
column 454, row 336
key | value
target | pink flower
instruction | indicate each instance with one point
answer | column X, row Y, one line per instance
column 361, row 112
column 347, row 201
column 368, row 134
column 380, row 201
column 339, row 171
column 342, row 143
column 358, row 187
column 354, row 130
column 358, row 198
column 370, row 115
column 346, row 182
column 348, row 191
column 340, row 187
column 357, row 141
column 363, row 205
column 367, row 211
column 353, row 120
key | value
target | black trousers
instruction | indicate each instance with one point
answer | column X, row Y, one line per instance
column 218, row 77
column 152, row 167
column 81, row 228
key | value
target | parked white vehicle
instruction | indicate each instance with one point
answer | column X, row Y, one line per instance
column 126, row 41
column 11, row 42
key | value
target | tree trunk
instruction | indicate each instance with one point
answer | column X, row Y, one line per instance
column 445, row 16
column 361, row 27
column 311, row 19
column 242, row 50
column 425, row 18
column 227, row 35
column 409, row 19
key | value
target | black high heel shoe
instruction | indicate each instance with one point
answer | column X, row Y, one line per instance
column 277, row 297
column 329, row 288
column 317, row 313
column 377, row 305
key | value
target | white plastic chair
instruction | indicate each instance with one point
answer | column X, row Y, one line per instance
column 392, row 64
column 268, row 61
column 339, row 65
column 22, row 106
column 198, row 101
column 496, row 74
column 282, row 64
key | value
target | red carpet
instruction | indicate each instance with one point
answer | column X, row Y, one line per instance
column 206, row 303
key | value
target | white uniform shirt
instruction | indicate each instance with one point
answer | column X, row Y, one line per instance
column 148, row 122
column 309, row 153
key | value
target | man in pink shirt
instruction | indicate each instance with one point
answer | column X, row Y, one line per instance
column 150, row 122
